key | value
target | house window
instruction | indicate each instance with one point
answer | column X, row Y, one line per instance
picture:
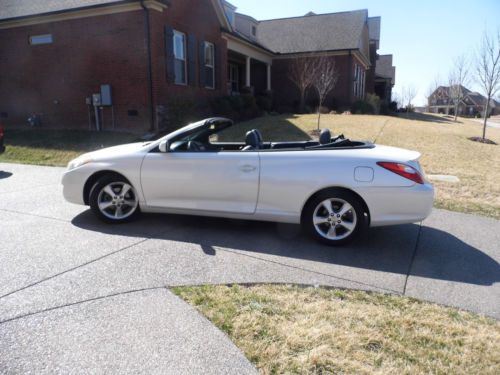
column 41, row 39
column 209, row 65
column 254, row 31
column 180, row 58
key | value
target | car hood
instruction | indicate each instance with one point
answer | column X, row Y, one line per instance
column 115, row 151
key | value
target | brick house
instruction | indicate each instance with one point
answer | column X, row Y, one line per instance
column 472, row 103
column 145, row 55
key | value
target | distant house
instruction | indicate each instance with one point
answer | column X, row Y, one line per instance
column 472, row 103
column 143, row 56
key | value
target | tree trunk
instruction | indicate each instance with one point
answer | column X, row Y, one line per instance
column 456, row 112
column 319, row 110
column 302, row 101
column 487, row 108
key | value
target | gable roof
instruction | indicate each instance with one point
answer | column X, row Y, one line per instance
column 374, row 28
column 11, row 9
column 384, row 68
column 321, row 32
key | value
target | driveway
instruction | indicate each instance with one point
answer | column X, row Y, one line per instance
column 77, row 295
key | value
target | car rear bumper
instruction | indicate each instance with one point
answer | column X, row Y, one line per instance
column 398, row 205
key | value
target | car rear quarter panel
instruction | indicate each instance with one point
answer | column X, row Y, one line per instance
column 289, row 178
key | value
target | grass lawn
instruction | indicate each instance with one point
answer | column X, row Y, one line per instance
column 56, row 147
column 288, row 329
column 443, row 144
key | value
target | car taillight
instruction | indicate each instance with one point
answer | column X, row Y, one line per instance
column 403, row 170
column 1, row 131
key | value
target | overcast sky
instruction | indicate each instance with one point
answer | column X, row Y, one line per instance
column 424, row 36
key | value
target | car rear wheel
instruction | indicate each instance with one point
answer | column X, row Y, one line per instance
column 114, row 200
column 334, row 217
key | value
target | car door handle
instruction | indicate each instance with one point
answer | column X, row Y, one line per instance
column 248, row 168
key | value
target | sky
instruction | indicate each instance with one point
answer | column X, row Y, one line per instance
column 424, row 36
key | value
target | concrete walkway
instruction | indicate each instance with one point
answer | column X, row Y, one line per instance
column 76, row 294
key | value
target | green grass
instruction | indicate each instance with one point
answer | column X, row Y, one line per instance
column 286, row 329
column 56, row 147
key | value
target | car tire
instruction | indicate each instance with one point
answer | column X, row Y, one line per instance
column 114, row 200
column 334, row 217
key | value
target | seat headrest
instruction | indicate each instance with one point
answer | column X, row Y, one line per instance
column 259, row 136
column 325, row 137
column 252, row 139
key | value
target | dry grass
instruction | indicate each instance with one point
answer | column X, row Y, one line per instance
column 443, row 143
column 292, row 330
column 56, row 147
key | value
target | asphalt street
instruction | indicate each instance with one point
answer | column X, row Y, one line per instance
column 80, row 296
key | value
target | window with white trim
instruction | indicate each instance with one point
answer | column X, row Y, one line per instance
column 41, row 39
column 209, row 65
column 180, row 66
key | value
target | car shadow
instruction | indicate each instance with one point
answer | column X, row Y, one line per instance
column 4, row 174
column 439, row 255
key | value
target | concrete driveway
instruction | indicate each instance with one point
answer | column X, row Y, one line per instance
column 77, row 295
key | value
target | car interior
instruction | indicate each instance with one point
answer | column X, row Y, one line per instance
column 200, row 141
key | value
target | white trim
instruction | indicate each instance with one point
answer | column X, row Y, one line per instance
column 183, row 35
column 209, row 44
column 247, row 49
column 248, row 64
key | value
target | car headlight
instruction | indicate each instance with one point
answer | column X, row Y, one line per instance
column 78, row 162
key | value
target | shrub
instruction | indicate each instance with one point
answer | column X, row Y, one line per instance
column 237, row 107
column 361, row 107
column 181, row 111
column 393, row 106
column 374, row 101
column 265, row 101
column 323, row 109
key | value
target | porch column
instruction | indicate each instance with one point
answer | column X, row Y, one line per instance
column 268, row 77
column 247, row 72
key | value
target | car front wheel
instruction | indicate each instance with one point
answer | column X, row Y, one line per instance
column 114, row 200
column 334, row 217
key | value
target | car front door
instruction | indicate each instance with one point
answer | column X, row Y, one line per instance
column 225, row 181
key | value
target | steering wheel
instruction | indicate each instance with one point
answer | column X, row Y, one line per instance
column 195, row 146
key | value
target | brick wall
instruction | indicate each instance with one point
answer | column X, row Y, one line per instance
column 196, row 18
column 54, row 79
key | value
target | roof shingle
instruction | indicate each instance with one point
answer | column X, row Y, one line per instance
column 22, row 8
column 322, row 32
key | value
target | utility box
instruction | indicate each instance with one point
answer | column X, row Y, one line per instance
column 106, row 98
column 96, row 100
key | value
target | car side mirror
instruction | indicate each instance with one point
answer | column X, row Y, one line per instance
column 164, row 145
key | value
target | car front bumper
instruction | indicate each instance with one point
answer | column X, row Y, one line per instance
column 73, row 182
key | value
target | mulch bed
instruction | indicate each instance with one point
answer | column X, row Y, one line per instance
column 482, row 140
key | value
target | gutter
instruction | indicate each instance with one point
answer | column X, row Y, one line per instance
column 147, row 30
column 61, row 11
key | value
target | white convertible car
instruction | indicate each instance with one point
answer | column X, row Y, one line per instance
column 334, row 187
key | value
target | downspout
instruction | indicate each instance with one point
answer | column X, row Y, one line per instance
column 351, row 78
column 152, row 127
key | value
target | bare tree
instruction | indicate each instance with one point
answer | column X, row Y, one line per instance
column 408, row 94
column 301, row 73
column 458, row 78
column 435, row 84
column 325, row 79
column 488, row 70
